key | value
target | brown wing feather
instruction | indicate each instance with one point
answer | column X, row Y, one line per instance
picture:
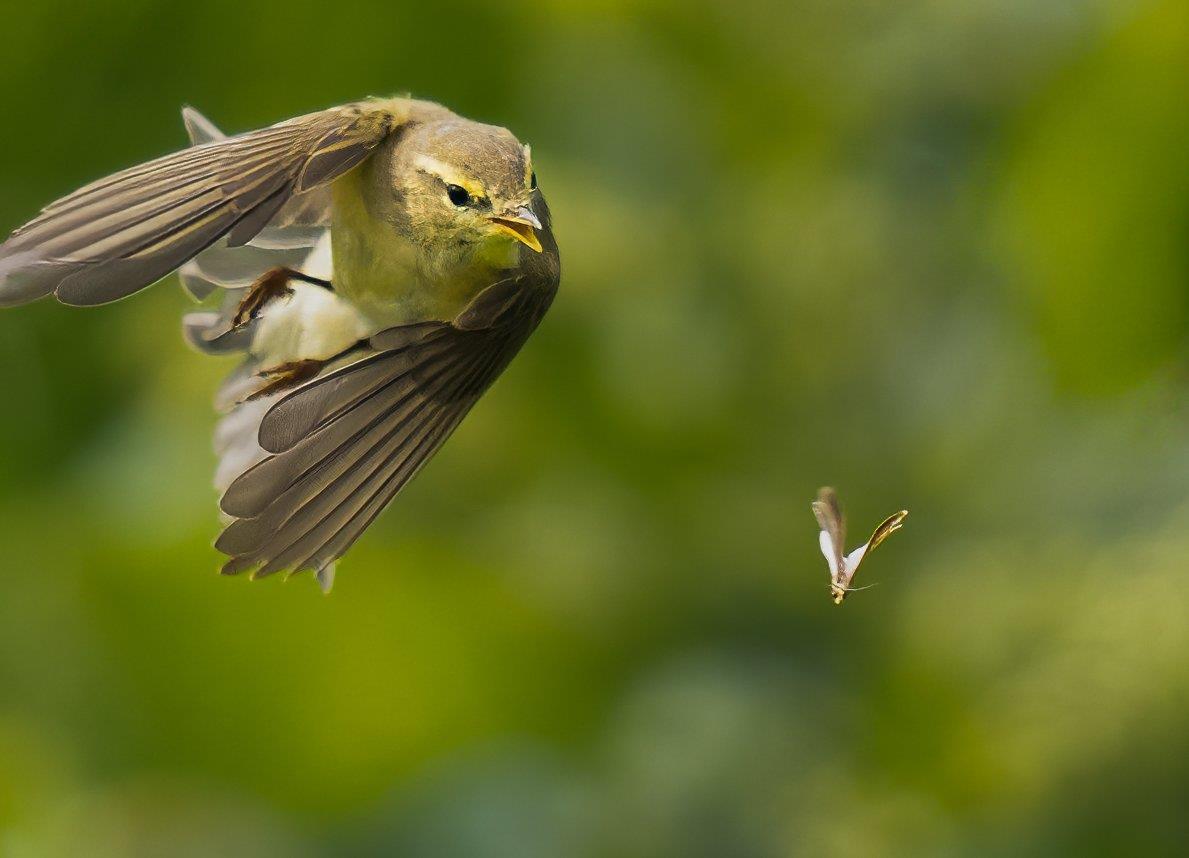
column 343, row 445
column 300, row 221
column 125, row 232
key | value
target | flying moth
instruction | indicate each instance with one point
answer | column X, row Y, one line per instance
column 833, row 540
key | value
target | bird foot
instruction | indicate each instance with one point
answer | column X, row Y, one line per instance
column 286, row 376
column 273, row 283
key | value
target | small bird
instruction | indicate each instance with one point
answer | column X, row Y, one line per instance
column 380, row 265
column 833, row 539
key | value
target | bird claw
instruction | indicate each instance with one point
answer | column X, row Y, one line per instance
column 273, row 283
column 285, row 377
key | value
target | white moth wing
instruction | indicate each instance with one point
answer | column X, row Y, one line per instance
column 827, row 545
column 853, row 559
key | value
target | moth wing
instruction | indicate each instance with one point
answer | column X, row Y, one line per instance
column 886, row 528
column 851, row 562
column 833, row 525
column 831, row 555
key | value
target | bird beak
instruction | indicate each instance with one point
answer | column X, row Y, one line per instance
column 521, row 224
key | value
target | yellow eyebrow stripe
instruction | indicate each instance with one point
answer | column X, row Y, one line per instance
column 449, row 175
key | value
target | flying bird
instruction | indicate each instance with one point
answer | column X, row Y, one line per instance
column 833, row 540
column 378, row 265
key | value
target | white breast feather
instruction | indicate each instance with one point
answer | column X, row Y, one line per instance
column 311, row 324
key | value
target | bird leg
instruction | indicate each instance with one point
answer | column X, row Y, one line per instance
column 273, row 283
column 286, row 376
column 294, row 373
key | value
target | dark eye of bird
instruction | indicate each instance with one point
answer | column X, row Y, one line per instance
column 532, row 182
column 458, row 195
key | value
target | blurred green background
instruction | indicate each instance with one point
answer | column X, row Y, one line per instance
column 933, row 253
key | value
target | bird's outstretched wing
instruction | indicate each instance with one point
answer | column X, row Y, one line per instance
column 123, row 233
column 297, row 237
column 299, row 223
column 340, row 447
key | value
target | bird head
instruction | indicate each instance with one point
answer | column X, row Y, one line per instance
column 468, row 193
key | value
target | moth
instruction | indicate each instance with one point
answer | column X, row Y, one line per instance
column 833, row 539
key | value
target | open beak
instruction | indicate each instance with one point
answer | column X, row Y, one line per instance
column 521, row 224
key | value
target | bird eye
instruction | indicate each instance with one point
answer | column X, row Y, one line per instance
column 458, row 195
column 532, row 182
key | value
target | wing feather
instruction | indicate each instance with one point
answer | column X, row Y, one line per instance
column 343, row 445
column 122, row 233
column 372, row 432
column 335, row 535
column 200, row 129
column 339, row 517
column 319, row 516
column 327, row 452
column 328, row 398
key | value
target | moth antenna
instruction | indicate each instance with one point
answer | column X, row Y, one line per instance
column 857, row 589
